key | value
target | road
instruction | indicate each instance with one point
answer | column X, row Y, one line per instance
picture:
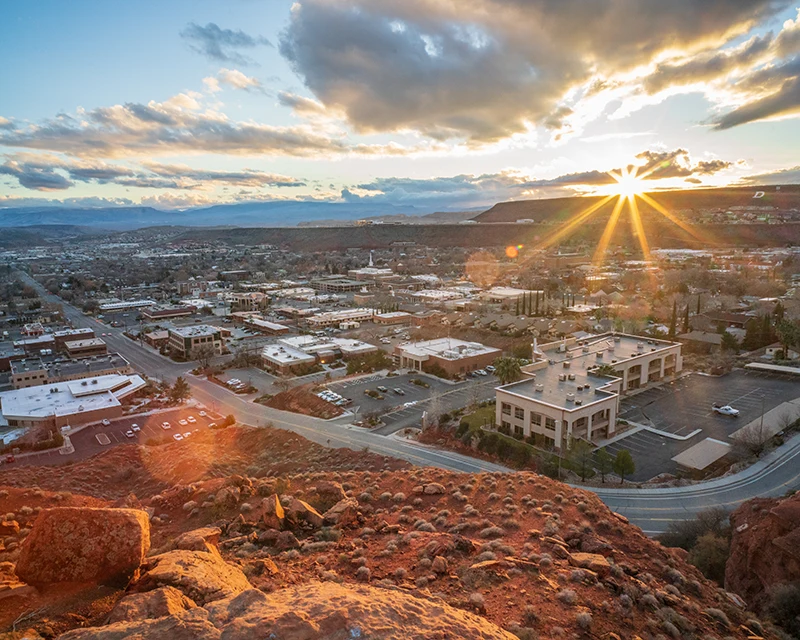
column 651, row 509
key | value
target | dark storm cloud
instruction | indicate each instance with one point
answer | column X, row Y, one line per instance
column 222, row 45
column 483, row 69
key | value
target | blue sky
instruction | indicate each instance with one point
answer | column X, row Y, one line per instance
column 192, row 103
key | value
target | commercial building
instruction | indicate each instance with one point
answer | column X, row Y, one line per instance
column 184, row 340
column 508, row 294
column 266, row 327
column 572, row 388
column 68, row 335
column 289, row 355
column 163, row 312
column 392, row 317
column 336, row 318
column 72, row 403
column 247, row 300
column 87, row 347
column 33, row 372
column 455, row 357
column 337, row 284
column 127, row 304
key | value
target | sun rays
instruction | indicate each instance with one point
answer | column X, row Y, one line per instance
column 628, row 188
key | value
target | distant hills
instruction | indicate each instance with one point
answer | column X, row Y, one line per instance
column 255, row 214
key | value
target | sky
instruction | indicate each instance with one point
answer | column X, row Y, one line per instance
column 436, row 104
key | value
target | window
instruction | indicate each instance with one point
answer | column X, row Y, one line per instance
column 536, row 418
column 506, row 409
column 519, row 414
column 506, row 425
column 550, row 423
column 519, row 432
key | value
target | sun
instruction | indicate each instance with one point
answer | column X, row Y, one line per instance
column 628, row 184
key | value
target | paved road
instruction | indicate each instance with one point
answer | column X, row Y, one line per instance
column 651, row 509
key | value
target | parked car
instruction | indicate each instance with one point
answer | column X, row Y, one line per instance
column 177, row 437
column 135, row 428
column 490, row 369
column 191, row 419
column 481, row 372
column 129, row 433
column 186, row 434
column 399, row 391
column 382, row 389
column 106, row 423
column 202, row 414
column 725, row 410
column 183, row 423
column 10, row 459
column 166, row 425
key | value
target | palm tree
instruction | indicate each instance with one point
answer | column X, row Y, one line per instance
column 507, row 370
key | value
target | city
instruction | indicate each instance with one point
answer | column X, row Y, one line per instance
column 251, row 388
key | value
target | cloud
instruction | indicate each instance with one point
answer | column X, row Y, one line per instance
column 181, row 125
column 468, row 190
column 35, row 176
column 220, row 44
column 47, row 172
column 84, row 202
column 233, row 78
column 790, row 175
column 487, row 69
column 301, row 105
column 784, row 101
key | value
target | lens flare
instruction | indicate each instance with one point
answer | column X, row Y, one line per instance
column 512, row 252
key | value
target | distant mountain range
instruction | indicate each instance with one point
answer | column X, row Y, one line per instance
column 255, row 214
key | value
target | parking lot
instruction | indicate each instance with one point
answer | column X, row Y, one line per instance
column 684, row 406
column 87, row 444
column 363, row 403
column 260, row 379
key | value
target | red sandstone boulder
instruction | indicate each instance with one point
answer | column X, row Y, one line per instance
column 81, row 544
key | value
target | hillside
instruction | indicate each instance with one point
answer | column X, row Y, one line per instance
column 383, row 553
column 663, row 234
column 689, row 201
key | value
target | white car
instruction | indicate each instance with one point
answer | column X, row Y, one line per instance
column 129, row 433
column 177, row 437
column 490, row 369
column 202, row 414
column 410, row 404
column 186, row 434
column 166, row 425
column 135, row 428
column 183, row 423
column 191, row 419
column 725, row 410
column 480, row 372
column 105, row 423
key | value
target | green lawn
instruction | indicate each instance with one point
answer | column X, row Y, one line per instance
column 484, row 415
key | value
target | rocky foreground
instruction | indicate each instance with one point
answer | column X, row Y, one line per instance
column 403, row 553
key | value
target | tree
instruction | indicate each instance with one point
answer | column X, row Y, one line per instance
column 624, row 464
column 203, row 354
column 729, row 342
column 581, row 456
column 698, row 304
column 507, row 370
column 686, row 320
column 710, row 554
column 604, row 463
column 180, row 390
column 673, row 323
column 516, row 309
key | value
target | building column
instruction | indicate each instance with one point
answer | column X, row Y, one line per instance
column 663, row 366
column 589, row 427
column 558, row 438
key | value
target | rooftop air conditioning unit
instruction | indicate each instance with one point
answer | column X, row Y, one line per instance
column 616, row 338
column 562, row 377
column 566, row 364
column 539, row 388
column 599, row 355
column 84, row 383
column 578, row 402
column 640, row 346
column 94, row 381
column 586, row 349
column 570, row 397
column 571, row 376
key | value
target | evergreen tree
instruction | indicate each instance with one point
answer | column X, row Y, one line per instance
column 729, row 342
column 624, row 464
column 536, row 311
column 767, row 335
column 778, row 312
column 516, row 310
column 698, row 304
column 673, row 323
column 180, row 390
column 604, row 463
column 686, row 320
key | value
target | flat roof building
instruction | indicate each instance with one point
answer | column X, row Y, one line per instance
column 33, row 372
column 71, row 403
column 455, row 357
column 162, row 312
column 335, row 318
column 289, row 355
column 572, row 389
column 184, row 340
column 87, row 347
column 392, row 317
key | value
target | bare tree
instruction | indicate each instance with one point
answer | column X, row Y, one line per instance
column 203, row 354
